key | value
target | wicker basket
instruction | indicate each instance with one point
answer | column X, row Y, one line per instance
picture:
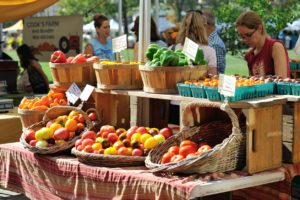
column 51, row 114
column 108, row 160
column 227, row 154
column 29, row 117
column 64, row 74
column 163, row 80
column 118, row 76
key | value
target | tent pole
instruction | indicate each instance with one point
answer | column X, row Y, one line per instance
column 120, row 18
column 156, row 11
column 1, row 41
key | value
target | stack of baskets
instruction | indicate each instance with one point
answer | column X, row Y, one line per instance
column 229, row 143
column 51, row 114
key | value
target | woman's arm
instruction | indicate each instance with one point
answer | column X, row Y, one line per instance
column 89, row 49
column 280, row 59
column 136, row 52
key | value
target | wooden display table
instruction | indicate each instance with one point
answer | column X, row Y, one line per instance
column 63, row 177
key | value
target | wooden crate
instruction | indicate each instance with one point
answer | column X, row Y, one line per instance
column 291, row 132
column 118, row 76
column 64, row 74
column 113, row 109
column 164, row 79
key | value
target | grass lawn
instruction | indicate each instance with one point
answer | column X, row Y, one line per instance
column 234, row 65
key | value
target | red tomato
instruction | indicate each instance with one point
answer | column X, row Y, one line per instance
column 141, row 130
column 92, row 116
column 92, row 59
column 112, row 137
column 87, row 141
column 204, row 148
column 107, row 128
column 79, row 58
column 89, row 134
column 166, row 158
column 187, row 149
column 177, row 158
column 129, row 133
column 188, row 142
column 174, row 150
column 78, row 142
column 137, row 152
column 202, row 143
column 58, row 57
column 166, row 132
column 69, row 60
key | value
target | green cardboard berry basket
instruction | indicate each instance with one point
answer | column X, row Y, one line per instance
column 198, row 91
column 212, row 93
column 295, row 87
column 294, row 65
column 283, row 88
column 184, row 89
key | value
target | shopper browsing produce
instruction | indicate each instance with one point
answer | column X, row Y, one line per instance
column 193, row 27
column 267, row 56
column 101, row 46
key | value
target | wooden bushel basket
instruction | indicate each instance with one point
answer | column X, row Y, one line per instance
column 51, row 114
column 163, row 80
column 118, row 76
column 29, row 117
column 229, row 144
column 64, row 74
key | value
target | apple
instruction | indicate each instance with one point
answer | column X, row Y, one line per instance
column 137, row 152
column 29, row 135
column 41, row 143
column 166, row 132
column 43, row 134
column 160, row 138
column 61, row 134
column 89, row 134
column 112, row 137
column 93, row 116
column 49, row 123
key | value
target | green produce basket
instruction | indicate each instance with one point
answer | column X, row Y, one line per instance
column 283, row 88
column 293, row 65
column 295, row 87
column 198, row 91
column 212, row 93
column 184, row 89
column 261, row 90
column 271, row 86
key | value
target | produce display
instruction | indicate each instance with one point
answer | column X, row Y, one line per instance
column 186, row 149
column 45, row 102
column 58, row 131
column 60, row 57
column 136, row 141
column 162, row 56
column 107, row 62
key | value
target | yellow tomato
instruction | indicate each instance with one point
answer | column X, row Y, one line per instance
column 72, row 114
column 144, row 137
column 136, row 136
column 97, row 146
column 54, row 127
column 71, row 124
column 110, row 151
column 150, row 143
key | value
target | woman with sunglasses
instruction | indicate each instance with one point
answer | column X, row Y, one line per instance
column 267, row 56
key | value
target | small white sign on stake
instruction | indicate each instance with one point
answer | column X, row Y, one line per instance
column 86, row 93
column 190, row 48
column 73, row 93
column 119, row 43
column 227, row 85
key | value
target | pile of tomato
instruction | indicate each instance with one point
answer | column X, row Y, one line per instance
column 60, row 57
column 186, row 149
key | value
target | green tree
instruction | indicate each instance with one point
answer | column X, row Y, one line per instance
column 275, row 15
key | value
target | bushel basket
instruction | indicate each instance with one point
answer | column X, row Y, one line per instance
column 52, row 114
column 227, row 141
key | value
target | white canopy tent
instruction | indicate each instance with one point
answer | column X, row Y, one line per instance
column 294, row 26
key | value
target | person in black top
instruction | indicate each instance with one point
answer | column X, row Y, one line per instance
column 32, row 72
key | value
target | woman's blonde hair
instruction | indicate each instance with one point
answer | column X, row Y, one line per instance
column 251, row 20
column 193, row 27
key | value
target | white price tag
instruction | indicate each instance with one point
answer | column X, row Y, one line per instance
column 73, row 93
column 227, row 85
column 86, row 93
column 190, row 48
column 119, row 43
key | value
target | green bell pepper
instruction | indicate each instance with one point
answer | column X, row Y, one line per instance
column 169, row 58
column 152, row 49
column 199, row 57
column 159, row 52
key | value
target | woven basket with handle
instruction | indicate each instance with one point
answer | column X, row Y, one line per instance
column 52, row 114
column 228, row 152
